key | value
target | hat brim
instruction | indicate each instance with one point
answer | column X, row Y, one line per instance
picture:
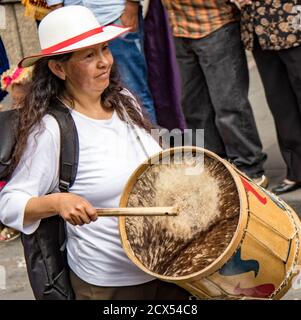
column 109, row 33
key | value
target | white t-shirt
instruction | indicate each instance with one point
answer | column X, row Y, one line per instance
column 108, row 154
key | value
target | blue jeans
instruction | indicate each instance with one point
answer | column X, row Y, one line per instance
column 129, row 57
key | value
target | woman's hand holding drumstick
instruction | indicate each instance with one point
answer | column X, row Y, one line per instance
column 78, row 211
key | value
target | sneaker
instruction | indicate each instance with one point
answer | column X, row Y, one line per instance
column 286, row 186
column 262, row 181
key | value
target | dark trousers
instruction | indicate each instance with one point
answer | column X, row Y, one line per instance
column 280, row 72
column 153, row 290
column 215, row 84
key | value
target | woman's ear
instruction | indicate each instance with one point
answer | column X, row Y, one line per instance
column 56, row 68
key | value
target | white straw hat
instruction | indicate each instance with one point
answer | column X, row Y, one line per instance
column 69, row 29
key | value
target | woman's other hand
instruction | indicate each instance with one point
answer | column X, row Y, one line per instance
column 241, row 3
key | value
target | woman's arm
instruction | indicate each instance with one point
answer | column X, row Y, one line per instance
column 30, row 193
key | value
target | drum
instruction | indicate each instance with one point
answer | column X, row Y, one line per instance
column 231, row 239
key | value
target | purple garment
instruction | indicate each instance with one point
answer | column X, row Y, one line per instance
column 163, row 71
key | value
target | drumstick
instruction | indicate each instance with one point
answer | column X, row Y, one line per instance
column 138, row 211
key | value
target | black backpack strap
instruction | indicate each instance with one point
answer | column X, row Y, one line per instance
column 69, row 152
column 8, row 123
column 45, row 249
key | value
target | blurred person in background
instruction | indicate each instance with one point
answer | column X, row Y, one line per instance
column 215, row 81
column 272, row 31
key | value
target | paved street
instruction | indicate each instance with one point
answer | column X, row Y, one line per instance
column 11, row 254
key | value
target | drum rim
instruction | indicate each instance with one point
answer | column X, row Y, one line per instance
column 238, row 235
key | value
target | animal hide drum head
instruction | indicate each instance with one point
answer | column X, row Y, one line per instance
column 205, row 193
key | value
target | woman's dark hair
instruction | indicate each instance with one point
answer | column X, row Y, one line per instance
column 45, row 87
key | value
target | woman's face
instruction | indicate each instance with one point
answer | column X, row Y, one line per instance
column 88, row 70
